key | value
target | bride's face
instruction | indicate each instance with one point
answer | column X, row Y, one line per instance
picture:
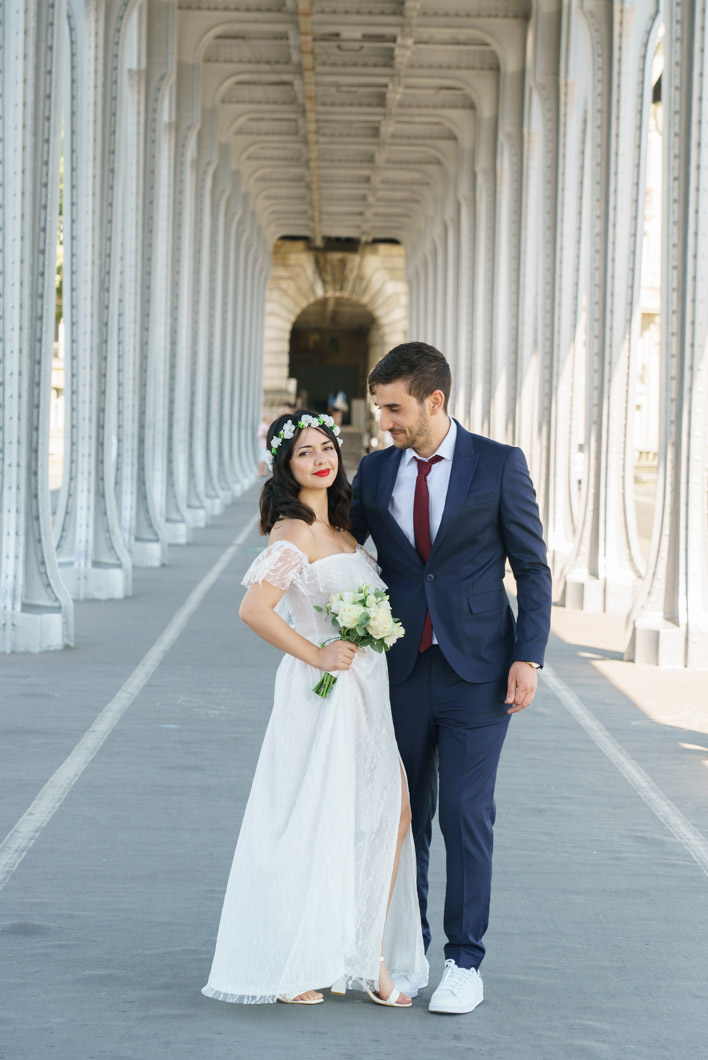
column 315, row 460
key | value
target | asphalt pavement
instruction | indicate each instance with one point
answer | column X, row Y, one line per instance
column 125, row 764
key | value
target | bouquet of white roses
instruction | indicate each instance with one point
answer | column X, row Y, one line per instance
column 363, row 617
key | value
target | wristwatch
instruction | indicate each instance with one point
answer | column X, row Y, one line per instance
column 536, row 666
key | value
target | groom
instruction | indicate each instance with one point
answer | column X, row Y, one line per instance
column 446, row 509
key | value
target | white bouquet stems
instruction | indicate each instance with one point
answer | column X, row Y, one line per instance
column 363, row 617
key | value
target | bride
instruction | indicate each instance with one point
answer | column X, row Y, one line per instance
column 322, row 889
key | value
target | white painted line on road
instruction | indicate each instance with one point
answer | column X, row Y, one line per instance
column 668, row 814
column 50, row 798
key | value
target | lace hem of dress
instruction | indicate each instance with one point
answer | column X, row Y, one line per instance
column 351, row 983
column 240, row 999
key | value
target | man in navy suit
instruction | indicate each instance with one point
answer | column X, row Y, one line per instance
column 446, row 509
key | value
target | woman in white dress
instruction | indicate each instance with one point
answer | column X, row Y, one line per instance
column 322, row 890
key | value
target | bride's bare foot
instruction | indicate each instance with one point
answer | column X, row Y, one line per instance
column 309, row 995
column 386, row 987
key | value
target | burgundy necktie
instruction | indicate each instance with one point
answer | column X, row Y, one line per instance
column 421, row 531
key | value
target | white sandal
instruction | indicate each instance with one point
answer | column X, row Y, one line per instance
column 295, row 999
column 390, row 1002
column 392, row 999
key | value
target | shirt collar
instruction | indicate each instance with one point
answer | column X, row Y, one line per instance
column 446, row 449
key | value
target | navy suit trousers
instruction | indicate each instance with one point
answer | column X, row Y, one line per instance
column 450, row 734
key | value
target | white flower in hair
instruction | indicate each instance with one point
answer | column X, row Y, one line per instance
column 328, row 422
column 335, row 429
column 288, row 429
column 275, row 443
column 341, row 442
column 269, row 460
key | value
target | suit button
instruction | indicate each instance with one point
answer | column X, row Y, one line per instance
column 430, row 577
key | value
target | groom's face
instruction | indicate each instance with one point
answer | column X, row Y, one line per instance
column 405, row 418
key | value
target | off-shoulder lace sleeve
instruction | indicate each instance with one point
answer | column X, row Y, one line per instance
column 370, row 559
column 279, row 565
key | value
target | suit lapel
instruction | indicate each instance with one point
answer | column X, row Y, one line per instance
column 387, row 480
column 389, row 471
column 464, row 465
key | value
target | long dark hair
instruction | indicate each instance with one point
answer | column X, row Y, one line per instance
column 280, row 494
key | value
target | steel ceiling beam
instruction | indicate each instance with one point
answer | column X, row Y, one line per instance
column 307, row 66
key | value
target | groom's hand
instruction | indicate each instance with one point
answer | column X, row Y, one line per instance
column 521, row 687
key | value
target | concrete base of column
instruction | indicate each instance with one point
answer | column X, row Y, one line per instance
column 247, row 480
column 583, row 592
column 196, row 517
column 657, row 642
column 149, row 553
column 37, row 631
column 697, row 649
column 214, row 505
column 178, row 533
column 96, row 583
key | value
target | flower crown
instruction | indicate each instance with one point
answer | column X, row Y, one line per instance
column 288, row 430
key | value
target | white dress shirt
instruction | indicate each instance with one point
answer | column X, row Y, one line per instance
column 401, row 503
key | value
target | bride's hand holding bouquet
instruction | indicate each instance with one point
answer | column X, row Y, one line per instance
column 364, row 620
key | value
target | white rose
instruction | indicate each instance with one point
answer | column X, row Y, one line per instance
column 393, row 637
column 335, row 602
column 349, row 614
column 381, row 624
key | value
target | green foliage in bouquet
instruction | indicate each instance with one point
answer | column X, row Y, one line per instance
column 363, row 617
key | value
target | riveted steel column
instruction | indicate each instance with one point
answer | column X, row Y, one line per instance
column 124, row 260
column 36, row 612
column 180, row 517
column 92, row 556
column 218, row 492
column 150, row 545
column 246, row 412
column 483, row 277
column 239, row 374
column 531, row 391
column 231, row 280
column 604, row 570
column 465, row 285
column 200, row 503
column 669, row 623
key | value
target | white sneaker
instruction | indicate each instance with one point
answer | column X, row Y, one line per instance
column 460, row 990
column 409, row 983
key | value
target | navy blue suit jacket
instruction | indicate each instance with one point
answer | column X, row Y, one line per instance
column 490, row 514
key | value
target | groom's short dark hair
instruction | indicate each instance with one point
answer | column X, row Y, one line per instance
column 422, row 367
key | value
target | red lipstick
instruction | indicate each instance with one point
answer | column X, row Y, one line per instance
column 323, row 473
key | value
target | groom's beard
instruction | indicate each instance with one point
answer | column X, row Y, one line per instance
column 417, row 437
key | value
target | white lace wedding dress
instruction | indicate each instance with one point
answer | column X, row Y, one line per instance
column 305, row 905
